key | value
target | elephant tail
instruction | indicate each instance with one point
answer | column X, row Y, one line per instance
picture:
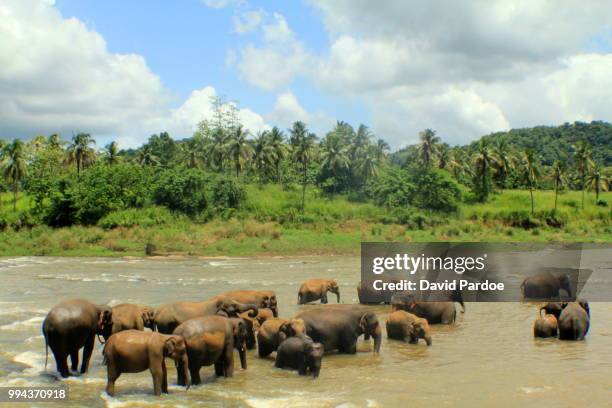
column 46, row 351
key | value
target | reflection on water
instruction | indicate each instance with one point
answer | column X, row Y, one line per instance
column 488, row 358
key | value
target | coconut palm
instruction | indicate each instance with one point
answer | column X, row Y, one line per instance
column 484, row 160
column 583, row 163
column 382, row 148
column 368, row 165
column 302, row 151
column 532, row 173
column 264, row 154
column 79, row 151
column 428, row 148
column 238, row 148
column 55, row 142
column 146, row 157
column 597, row 181
column 334, row 156
column 504, row 161
column 444, row 157
column 192, row 151
column 216, row 149
column 15, row 167
column 111, row 152
column 559, row 177
column 276, row 140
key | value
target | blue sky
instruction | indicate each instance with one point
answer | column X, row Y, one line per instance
column 123, row 70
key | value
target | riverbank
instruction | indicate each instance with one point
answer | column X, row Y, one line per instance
column 329, row 226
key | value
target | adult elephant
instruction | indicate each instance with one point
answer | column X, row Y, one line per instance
column 129, row 316
column 339, row 327
column 253, row 324
column 72, row 325
column 546, row 286
column 261, row 298
column 574, row 321
column 211, row 340
column 405, row 326
column 433, row 312
column 274, row 331
column 170, row 316
column 315, row 289
column 300, row 353
column 134, row 351
column 553, row 308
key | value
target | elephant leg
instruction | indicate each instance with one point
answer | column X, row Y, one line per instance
column 164, row 386
column 180, row 377
column 324, row 298
column 89, row 346
column 219, row 370
column 194, row 372
column 302, row 365
column 74, row 359
column 157, row 374
column 111, row 374
column 61, row 361
column 228, row 362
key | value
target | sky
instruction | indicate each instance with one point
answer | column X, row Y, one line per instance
column 123, row 70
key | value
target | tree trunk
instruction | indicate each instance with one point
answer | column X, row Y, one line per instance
column 531, row 194
column 556, row 193
column 304, row 188
column 15, row 193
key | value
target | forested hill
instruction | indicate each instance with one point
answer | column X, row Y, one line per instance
column 550, row 142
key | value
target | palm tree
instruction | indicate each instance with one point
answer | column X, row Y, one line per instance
column 146, row 157
column 429, row 147
column 559, row 173
column 583, row 162
column 335, row 156
column 382, row 148
column 302, row 144
column 79, row 151
column 277, row 143
column 192, row 151
column 15, row 168
column 217, row 148
column 504, row 162
column 597, row 182
column 238, row 148
column 55, row 142
column 368, row 165
column 532, row 173
column 483, row 162
column 444, row 156
column 112, row 153
column 264, row 154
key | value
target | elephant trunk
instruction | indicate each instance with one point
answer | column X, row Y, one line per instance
column 243, row 358
column 377, row 339
column 338, row 296
column 316, row 369
column 428, row 339
column 462, row 306
column 185, row 363
column 254, row 310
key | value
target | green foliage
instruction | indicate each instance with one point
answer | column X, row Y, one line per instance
column 145, row 217
column 181, row 189
column 393, row 188
column 227, row 193
column 436, row 190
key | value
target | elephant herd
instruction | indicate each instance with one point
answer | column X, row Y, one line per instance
column 205, row 333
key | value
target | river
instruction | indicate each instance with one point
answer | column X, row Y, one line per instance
column 488, row 358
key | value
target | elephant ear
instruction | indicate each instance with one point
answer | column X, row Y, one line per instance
column 169, row 346
column 105, row 319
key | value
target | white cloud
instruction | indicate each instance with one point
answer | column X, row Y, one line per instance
column 287, row 110
column 247, row 21
column 58, row 76
column 219, row 4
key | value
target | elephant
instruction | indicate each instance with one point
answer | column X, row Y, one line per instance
column 170, row 316
column 434, row 312
column 574, row 321
column 211, row 340
column 134, row 351
column 553, row 308
column 315, row 289
column 127, row 316
column 405, row 326
column 261, row 298
column 300, row 353
column 253, row 324
column 339, row 327
column 545, row 326
column 71, row 325
column 546, row 286
column 274, row 331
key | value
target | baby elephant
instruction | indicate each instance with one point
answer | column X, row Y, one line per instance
column 545, row 326
column 300, row 353
column 405, row 326
column 133, row 351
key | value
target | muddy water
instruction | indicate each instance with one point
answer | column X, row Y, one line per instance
column 488, row 358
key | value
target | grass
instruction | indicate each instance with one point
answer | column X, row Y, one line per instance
column 269, row 224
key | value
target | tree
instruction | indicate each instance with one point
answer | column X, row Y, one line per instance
column 583, row 163
column 559, row 177
column 368, row 164
column 532, row 173
column 503, row 163
column 596, row 181
column 80, row 153
column 483, row 161
column 302, row 144
column 192, row 151
column 55, row 142
column 146, row 157
column 238, row 148
column 111, row 151
column 382, row 148
column 217, row 148
column 428, row 148
column 334, row 157
column 277, row 143
column 264, row 154
column 15, row 168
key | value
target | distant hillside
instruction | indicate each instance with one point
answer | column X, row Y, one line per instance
column 550, row 142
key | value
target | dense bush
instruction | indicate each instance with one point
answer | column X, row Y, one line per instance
column 181, row 189
column 145, row 217
column 227, row 193
column 436, row 190
column 394, row 188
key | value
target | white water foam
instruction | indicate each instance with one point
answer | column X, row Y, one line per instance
column 23, row 324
